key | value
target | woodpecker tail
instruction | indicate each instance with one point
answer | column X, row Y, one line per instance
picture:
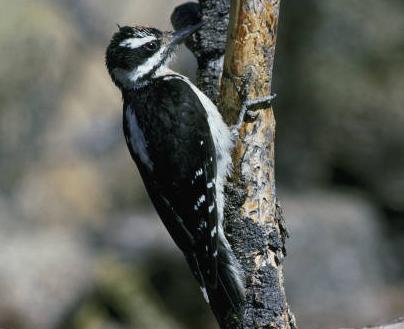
column 229, row 294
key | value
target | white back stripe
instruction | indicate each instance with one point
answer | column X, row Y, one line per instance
column 205, row 294
column 137, row 139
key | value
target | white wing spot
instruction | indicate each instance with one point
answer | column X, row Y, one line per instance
column 201, row 200
column 215, row 253
column 205, row 294
column 211, row 207
column 199, row 173
column 201, row 142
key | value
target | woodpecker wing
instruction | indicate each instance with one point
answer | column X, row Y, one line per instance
column 169, row 137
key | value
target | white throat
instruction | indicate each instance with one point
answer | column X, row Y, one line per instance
column 132, row 79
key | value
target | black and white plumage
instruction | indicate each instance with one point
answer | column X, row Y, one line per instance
column 181, row 146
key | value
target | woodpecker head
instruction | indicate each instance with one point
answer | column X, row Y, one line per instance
column 136, row 53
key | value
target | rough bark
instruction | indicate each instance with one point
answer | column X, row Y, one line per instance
column 208, row 44
column 253, row 217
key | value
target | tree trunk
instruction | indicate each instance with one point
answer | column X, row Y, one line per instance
column 253, row 218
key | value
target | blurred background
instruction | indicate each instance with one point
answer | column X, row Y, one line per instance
column 80, row 245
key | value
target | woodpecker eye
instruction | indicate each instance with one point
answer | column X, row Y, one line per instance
column 153, row 45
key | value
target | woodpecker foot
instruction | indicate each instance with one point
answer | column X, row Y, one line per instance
column 250, row 115
column 242, row 91
column 249, row 107
column 249, row 111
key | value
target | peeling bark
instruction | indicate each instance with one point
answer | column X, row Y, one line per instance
column 253, row 218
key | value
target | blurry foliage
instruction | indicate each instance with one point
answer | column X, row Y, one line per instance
column 146, row 297
column 181, row 295
column 340, row 75
column 122, row 298
column 32, row 79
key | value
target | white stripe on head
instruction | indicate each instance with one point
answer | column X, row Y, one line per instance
column 130, row 78
column 134, row 43
column 147, row 66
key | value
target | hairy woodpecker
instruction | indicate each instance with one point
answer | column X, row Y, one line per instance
column 181, row 146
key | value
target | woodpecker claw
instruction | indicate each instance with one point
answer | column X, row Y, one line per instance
column 249, row 107
column 251, row 115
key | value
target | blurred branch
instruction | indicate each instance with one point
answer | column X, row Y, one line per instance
column 399, row 324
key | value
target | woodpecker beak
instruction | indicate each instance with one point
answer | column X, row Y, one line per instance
column 181, row 35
